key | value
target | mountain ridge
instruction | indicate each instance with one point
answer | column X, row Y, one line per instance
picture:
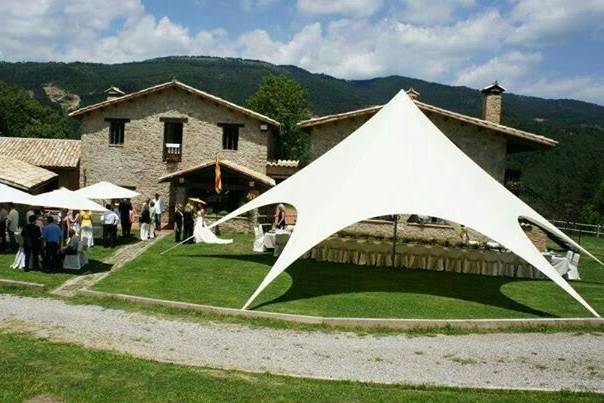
column 560, row 175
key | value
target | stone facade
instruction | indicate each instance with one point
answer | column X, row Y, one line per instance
column 486, row 148
column 138, row 163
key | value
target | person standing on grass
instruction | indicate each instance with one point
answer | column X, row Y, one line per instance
column 178, row 220
column 3, row 217
column 152, row 212
column 159, row 209
column 188, row 223
column 125, row 208
column 145, row 222
column 13, row 226
column 86, row 227
column 31, row 235
column 110, row 221
column 52, row 236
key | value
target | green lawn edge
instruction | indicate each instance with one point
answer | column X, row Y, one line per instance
column 36, row 367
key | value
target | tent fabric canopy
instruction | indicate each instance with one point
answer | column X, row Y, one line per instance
column 65, row 199
column 414, row 169
column 12, row 195
column 106, row 191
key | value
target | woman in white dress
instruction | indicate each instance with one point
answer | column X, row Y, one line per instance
column 203, row 234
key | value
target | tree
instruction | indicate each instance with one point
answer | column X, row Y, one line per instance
column 283, row 99
column 23, row 116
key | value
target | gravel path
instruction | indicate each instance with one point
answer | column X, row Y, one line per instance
column 527, row 361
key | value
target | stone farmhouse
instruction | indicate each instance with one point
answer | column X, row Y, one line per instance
column 165, row 139
column 484, row 139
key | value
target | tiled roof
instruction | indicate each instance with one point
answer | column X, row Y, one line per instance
column 48, row 153
column 22, row 175
column 175, row 84
column 509, row 131
column 283, row 163
column 260, row 177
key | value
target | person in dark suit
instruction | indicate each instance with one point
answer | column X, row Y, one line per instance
column 188, row 223
column 31, row 235
column 178, row 221
column 124, row 210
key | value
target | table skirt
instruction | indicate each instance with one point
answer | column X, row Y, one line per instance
column 422, row 257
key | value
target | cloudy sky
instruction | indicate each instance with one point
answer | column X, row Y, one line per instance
column 548, row 48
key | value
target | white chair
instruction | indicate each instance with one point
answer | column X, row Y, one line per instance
column 79, row 260
column 573, row 265
column 259, row 239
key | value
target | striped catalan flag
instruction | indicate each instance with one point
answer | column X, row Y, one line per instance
column 217, row 177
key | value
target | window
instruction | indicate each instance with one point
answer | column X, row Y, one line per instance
column 116, row 131
column 173, row 140
column 230, row 135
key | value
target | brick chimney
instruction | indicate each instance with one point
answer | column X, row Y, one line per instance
column 113, row 92
column 491, row 102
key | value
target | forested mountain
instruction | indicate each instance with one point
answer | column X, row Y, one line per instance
column 562, row 181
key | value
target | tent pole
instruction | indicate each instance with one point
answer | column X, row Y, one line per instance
column 394, row 238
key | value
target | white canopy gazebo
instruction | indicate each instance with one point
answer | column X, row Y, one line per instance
column 65, row 198
column 413, row 168
column 106, row 191
column 12, row 195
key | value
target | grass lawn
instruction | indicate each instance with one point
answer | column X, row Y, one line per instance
column 96, row 254
column 35, row 368
column 226, row 275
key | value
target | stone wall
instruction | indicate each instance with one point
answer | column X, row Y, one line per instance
column 485, row 147
column 68, row 177
column 138, row 163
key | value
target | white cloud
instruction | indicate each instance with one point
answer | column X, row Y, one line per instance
column 250, row 5
column 351, row 41
column 360, row 8
column 552, row 21
column 509, row 68
column 432, row 12
column 588, row 88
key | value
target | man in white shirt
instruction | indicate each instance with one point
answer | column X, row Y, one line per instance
column 159, row 208
column 3, row 217
column 110, row 220
column 13, row 226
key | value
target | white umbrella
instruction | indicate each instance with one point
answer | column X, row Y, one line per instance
column 65, row 198
column 12, row 195
column 106, row 191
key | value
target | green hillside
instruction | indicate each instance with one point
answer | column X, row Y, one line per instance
column 564, row 178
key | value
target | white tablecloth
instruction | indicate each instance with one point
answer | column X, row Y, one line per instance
column 276, row 240
column 428, row 257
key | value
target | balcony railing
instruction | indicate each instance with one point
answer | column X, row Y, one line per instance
column 172, row 152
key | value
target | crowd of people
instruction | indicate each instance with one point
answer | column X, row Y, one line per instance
column 46, row 236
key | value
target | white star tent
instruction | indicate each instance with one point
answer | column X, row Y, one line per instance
column 106, row 191
column 410, row 167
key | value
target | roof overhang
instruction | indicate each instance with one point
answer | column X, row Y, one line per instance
column 224, row 164
column 174, row 84
column 24, row 176
column 519, row 139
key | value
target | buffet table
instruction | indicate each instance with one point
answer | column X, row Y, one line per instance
column 419, row 256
